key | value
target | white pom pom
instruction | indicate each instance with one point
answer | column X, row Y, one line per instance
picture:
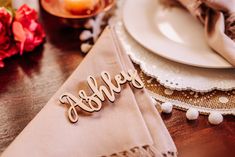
column 89, row 23
column 167, row 107
column 192, row 114
column 85, row 35
column 215, row 118
column 233, row 113
column 85, row 47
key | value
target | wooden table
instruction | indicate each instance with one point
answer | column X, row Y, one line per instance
column 27, row 82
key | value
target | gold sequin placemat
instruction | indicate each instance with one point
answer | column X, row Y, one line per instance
column 205, row 102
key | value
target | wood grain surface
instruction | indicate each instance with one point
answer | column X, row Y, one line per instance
column 27, row 82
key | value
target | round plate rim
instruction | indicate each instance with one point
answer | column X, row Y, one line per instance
column 133, row 35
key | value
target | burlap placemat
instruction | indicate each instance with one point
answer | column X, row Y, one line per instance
column 222, row 101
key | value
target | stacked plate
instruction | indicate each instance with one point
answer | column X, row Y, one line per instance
column 170, row 45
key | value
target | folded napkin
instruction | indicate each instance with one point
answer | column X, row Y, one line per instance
column 128, row 126
column 218, row 17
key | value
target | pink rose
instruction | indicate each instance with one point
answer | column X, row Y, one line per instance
column 27, row 31
column 7, row 46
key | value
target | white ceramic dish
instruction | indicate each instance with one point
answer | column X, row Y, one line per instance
column 171, row 33
column 173, row 75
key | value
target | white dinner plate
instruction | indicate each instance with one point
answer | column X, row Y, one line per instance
column 171, row 33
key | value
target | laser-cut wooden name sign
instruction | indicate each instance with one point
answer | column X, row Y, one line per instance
column 93, row 103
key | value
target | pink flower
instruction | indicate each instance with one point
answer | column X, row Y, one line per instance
column 7, row 46
column 27, row 31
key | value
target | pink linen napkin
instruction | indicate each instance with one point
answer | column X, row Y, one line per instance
column 130, row 126
column 218, row 17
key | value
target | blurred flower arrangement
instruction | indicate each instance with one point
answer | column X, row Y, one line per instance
column 20, row 30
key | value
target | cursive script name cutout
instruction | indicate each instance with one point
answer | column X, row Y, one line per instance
column 93, row 103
